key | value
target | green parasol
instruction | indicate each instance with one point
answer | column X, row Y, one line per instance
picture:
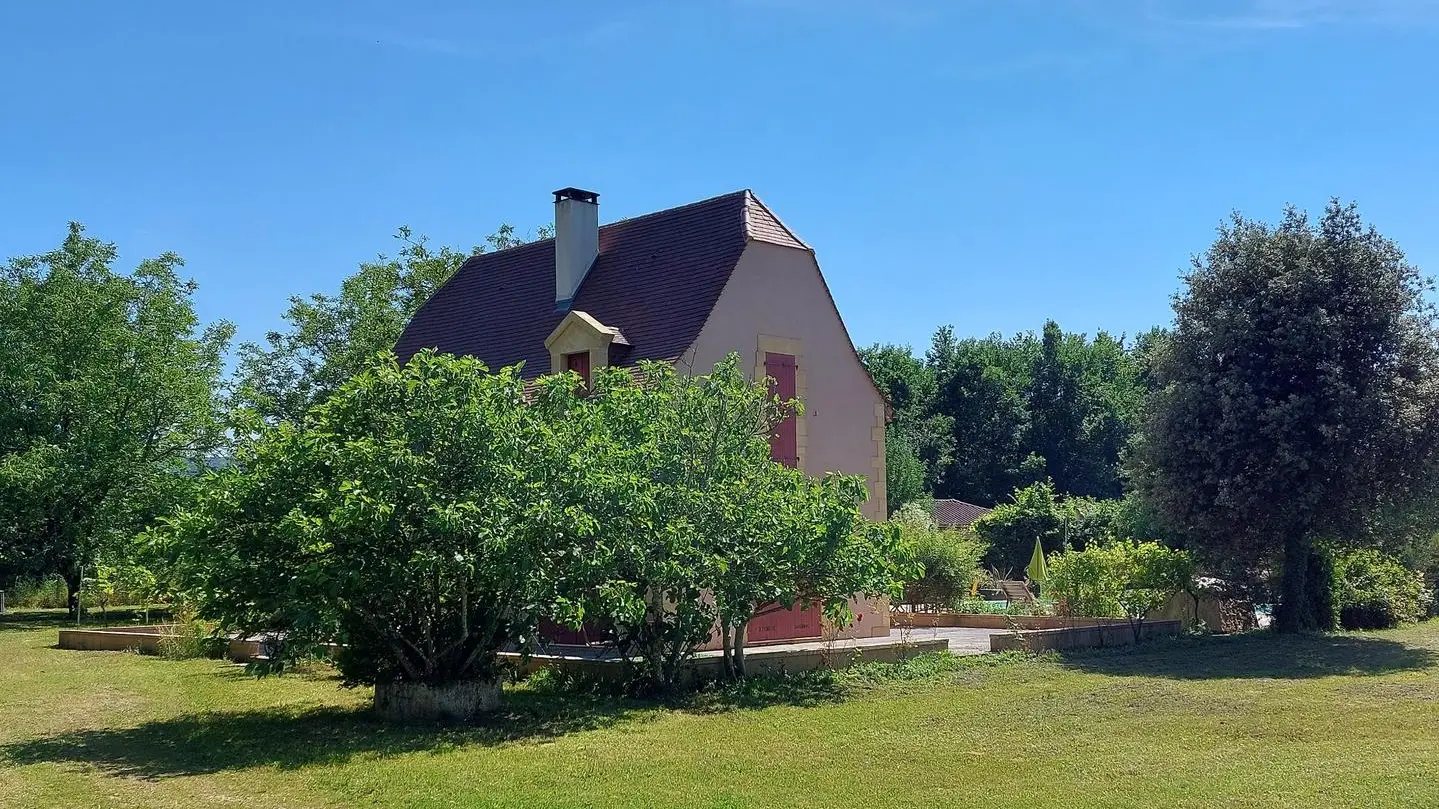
column 1037, row 571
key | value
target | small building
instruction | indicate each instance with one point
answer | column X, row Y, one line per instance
column 957, row 513
column 687, row 286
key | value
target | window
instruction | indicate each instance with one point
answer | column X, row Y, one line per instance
column 579, row 362
column 784, row 444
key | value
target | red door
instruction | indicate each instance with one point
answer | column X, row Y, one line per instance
column 800, row 621
column 784, row 444
column 579, row 362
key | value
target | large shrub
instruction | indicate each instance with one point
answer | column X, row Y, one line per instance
column 1120, row 580
column 947, row 561
column 695, row 528
column 1375, row 591
column 427, row 516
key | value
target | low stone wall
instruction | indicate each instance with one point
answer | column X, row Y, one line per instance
column 975, row 621
column 708, row 665
column 146, row 640
column 1081, row 637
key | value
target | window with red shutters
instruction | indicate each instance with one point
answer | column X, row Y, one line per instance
column 579, row 362
column 784, row 444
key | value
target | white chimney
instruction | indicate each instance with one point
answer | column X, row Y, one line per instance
column 577, row 240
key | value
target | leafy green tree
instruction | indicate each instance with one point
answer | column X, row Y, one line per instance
column 1296, row 399
column 1084, row 399
column 1152, row 574
column 330, row 338
column 919, row 442
column 107, row 403
column 980, row 388
column 1011, row 528
column 421, row 517
column 696, row 528
column 904, row 472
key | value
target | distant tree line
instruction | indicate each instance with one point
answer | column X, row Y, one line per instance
column 977, row 418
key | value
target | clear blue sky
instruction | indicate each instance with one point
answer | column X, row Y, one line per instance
column 985, row 164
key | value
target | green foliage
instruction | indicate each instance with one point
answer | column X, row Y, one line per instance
column 1039, row 512
column 419, row 517
column 988, row 416
column 1011, row 528
column 904, row 473
column 948, row 560
column 107, row 404
column 695, row 526
column 330, row 338
column 1086, row 583
column 1375, row 591
column 1301, row 347
column 1058, row 406
column 427, row 515
column 918, row 441
column 1119, row 580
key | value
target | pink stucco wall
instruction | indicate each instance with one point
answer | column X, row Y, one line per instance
column 778, row 292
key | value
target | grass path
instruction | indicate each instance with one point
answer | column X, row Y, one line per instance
column 1259, row 721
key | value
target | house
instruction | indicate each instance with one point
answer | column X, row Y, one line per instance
column 957, row 513
column 685, row 285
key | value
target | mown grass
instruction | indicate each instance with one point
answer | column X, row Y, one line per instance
column 1254, row 721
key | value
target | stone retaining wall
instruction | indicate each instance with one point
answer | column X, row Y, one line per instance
column 975, row 621
column 1081, row 637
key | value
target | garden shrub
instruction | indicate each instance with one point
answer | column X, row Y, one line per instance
column 1375, row 591
column 949, row 559
column 1123, row 580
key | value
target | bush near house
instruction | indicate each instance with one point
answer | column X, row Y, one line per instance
column 415, row 517
column 694, row 527
column 947, row 560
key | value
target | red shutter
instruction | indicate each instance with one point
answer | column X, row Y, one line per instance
column 579, row 362
column 784, row 444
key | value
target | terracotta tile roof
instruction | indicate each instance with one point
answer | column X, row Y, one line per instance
column 766, row 227
column 657, row 278
column 957, row 513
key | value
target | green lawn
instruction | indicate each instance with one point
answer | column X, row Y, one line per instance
column 1346, row 720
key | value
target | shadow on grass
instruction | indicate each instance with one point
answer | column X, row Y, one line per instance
column 197, row 744
column 1255, row 655
column 31, row 619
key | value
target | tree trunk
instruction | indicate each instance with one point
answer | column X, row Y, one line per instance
column 72, row 591
column 739, row 651
column 726, row 659
column 451, row 702
column 1304, row 589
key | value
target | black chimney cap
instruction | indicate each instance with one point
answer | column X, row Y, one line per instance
column 577, row 194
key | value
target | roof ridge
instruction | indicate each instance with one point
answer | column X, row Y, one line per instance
column 695, row 204
column 627, row 220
